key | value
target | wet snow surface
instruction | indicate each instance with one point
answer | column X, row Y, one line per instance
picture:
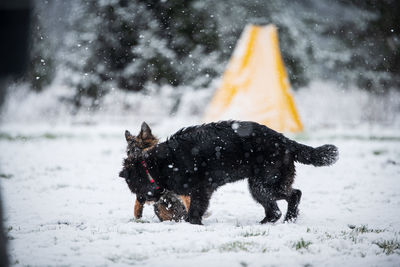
column 65, row 205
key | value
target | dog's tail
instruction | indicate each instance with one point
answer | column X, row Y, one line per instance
column 320, row 156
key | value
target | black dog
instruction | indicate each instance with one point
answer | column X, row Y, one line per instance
column 197, row 160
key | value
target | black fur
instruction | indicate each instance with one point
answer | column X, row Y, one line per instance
column 197, row 160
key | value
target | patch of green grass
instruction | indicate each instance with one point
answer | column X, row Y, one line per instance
column 251, row 233
column 236, row 246
column 355, row 235
column 5, row 136
column 63, row 223
column 379, row 152
column 133, row 258
column 20, row 137
column 113, row 259
column 328, row 235
column 364, row 229
column 302, row 244
column 6, row 175
column 205, row 250
column 389, row 246
column 49, row 136
column 139, row 221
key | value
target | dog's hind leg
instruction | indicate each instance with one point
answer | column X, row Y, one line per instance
column 293, row 200
column 266, row 197
column 199, row 200
column 272, row 212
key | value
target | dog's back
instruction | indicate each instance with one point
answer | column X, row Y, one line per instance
column 218, row 153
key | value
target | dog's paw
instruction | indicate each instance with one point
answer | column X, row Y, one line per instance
column 194, row 220
column 291, row 217
column 269, row 220
column 272, row 217
column 290, row 220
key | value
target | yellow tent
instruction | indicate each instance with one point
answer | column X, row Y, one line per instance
column 255, row 84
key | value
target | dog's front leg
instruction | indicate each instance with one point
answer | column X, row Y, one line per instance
column 138, row 210
column 199, row 200
column 186, row 201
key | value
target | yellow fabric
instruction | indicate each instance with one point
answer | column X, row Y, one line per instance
column 255, row 84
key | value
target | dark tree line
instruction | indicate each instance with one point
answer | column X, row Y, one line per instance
column 134, row 45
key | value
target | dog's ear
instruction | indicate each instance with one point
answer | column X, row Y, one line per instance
column 128, row 136
column 145, row 132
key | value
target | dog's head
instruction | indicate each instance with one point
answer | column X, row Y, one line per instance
column 138, row 181
column 142, row 142
column 133, row 170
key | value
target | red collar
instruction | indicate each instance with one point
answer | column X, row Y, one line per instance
column 151, row 179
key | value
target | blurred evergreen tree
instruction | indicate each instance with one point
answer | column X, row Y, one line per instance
column 376, row 47
column 130, row 44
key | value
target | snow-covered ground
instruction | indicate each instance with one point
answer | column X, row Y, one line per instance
column 65, row 204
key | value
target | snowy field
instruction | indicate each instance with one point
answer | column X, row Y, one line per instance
column 65, row 205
